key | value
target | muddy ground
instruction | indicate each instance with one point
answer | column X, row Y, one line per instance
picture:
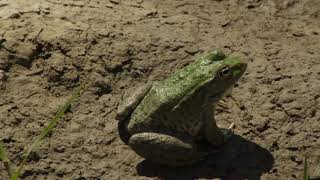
column 48, row 46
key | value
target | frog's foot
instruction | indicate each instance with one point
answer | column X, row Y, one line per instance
column 165, row 149
column 228, row 132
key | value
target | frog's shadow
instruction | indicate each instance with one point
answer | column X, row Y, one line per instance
column 238, row 159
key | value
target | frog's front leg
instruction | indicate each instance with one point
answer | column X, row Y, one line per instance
column 165, row 149
column 215, row 135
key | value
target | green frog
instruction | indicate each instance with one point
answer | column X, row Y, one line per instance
column 165, row 120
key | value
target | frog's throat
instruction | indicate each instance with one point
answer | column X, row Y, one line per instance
column 215, row 98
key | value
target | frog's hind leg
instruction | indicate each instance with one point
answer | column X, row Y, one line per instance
column 130, row 102
column 165, row 149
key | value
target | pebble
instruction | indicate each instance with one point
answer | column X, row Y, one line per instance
column 100, row 85
column 2, row 76
column 4, row 3
column 4, row 63
column 8, row 13
column 115, row 1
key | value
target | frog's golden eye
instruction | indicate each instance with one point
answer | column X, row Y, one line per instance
column 225, row 72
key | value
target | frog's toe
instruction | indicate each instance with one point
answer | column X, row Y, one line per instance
column 227, row 133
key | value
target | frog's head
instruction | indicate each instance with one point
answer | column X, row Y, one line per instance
column 224, row 72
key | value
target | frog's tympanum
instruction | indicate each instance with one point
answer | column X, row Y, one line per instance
column 164, row 120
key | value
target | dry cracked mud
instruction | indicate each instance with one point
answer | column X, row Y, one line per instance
column 48, row 46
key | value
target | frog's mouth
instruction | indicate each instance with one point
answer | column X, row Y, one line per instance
column 220, row 94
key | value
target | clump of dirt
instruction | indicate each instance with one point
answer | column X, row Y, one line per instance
column 48, row 46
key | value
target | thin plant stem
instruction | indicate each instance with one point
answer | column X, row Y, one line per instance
column 53, row 122
column 5, row 159
column 305, row 169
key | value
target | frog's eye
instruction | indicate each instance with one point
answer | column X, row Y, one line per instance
column 225, row 72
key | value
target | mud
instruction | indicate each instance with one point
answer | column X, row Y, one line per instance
column 48, row 46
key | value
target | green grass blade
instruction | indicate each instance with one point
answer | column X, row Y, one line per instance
column 53, row 122
column 2, row 152
column 305, row 169
column 4, row 158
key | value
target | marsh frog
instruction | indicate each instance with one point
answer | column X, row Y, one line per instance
column 164, row 120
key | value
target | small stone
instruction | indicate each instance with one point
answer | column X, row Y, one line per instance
column 100, row 85
column 2, row 79
column 139, row 1
column 71, row 76
column 114, row 67
column 192, row 50
column 149, row 13
column 59, row 149
column 8, row 13
column 4, row 3
column 62, row 169
column 109, row 4
column 2, row 76
column 26, row 50
column 115, row 1
column 75, row 127
column 4, row 63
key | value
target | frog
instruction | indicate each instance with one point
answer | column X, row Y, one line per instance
column 164, row 120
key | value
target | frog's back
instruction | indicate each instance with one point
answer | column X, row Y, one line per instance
column 155, row 112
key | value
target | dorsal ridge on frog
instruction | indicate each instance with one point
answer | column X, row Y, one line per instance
column 165, row 119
